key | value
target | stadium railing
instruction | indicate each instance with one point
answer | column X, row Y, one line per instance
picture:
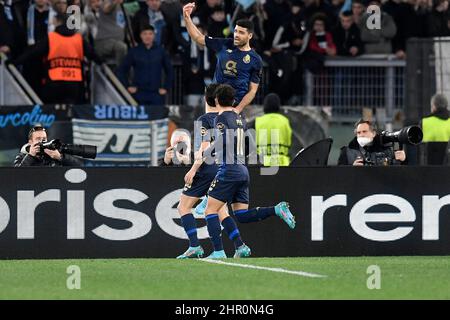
column 348, row 85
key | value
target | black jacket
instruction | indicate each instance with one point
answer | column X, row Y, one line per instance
column 24, row 159
column 344, row 40
column 372, row 155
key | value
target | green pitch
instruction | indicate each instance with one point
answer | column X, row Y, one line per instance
column 343, row 278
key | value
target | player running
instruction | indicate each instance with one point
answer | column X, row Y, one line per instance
column 231, row 182
column 198, row 181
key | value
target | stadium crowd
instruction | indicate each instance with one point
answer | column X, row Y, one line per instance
column 290, row 35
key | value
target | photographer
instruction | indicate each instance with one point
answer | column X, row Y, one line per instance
column 367, row 149
column 34, row 154
column 179, row 152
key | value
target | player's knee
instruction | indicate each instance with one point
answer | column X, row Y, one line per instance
column 182, row 208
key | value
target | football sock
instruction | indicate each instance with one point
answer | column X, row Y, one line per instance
column 213, row 224
column 232, row 230
column 254, row 215
column 190, row 226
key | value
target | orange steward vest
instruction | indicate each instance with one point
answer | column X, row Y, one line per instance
column 65, row 57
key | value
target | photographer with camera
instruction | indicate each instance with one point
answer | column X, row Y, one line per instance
column 369, row 148
column 37, row 152
column 179, row 152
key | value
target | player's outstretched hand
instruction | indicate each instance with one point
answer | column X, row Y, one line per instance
column 188, row 8
column 189, row 177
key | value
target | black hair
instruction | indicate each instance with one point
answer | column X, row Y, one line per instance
column 372, row 125
column 37, row 127
column 146, row 26
column 272, row 103
column 225, row 95
column 210, row 94
column 347, row 13
column 217, row 8
column 247, row 24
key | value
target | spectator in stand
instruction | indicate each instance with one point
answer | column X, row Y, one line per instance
column 347, row 36
column 336, row 6
column 378, row 41
column 314, row 7
column 285, row 63
column 206, row 9
column 11, row 19
column 176, row 40
column 109, row 41
column 422, row 10
column 148, row 61
column 217, row 23
column 404, row 17
column 278, row 12
column 92, row 16
column 6, row 35
column 348, row 42
column 321, row 41
column 197, row 71
column 439, row 19
column 152, row 15
column 358, row 10
column 38, row 16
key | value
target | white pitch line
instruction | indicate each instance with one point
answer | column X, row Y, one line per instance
column 280, row 270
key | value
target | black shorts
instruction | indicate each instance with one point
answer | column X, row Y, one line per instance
column 230, row 191
column 200, row 186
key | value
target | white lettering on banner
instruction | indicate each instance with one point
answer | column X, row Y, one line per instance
column 359, row 217
column 75, row 205
column 166, row 212
column 26, row 206
column 318, row 208
column 104, row 205
column 168, row 219
column 5, row 215
column 431, row 206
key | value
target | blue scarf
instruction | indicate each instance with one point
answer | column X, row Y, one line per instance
column 30, row 23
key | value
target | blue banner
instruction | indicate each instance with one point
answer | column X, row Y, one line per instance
column 123, row 134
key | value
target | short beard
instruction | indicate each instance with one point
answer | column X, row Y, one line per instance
column 240, row 45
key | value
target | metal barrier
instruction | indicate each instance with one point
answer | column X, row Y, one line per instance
column 14, row 89
column 107, row 89
column 348, row 85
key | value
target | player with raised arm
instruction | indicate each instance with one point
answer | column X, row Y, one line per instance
column 237, row 63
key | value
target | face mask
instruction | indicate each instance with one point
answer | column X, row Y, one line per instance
column 364, row 141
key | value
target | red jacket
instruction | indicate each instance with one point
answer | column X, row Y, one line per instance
column 314, row 44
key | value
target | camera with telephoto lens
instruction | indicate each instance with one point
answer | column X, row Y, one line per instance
column 81, row 150
column 181, row 147
column 409, row 135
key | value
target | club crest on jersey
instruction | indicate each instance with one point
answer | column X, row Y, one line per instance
column 246, row 59
column 230, row 68
column 220, row 126
column 203, row 131
column 229, row 50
